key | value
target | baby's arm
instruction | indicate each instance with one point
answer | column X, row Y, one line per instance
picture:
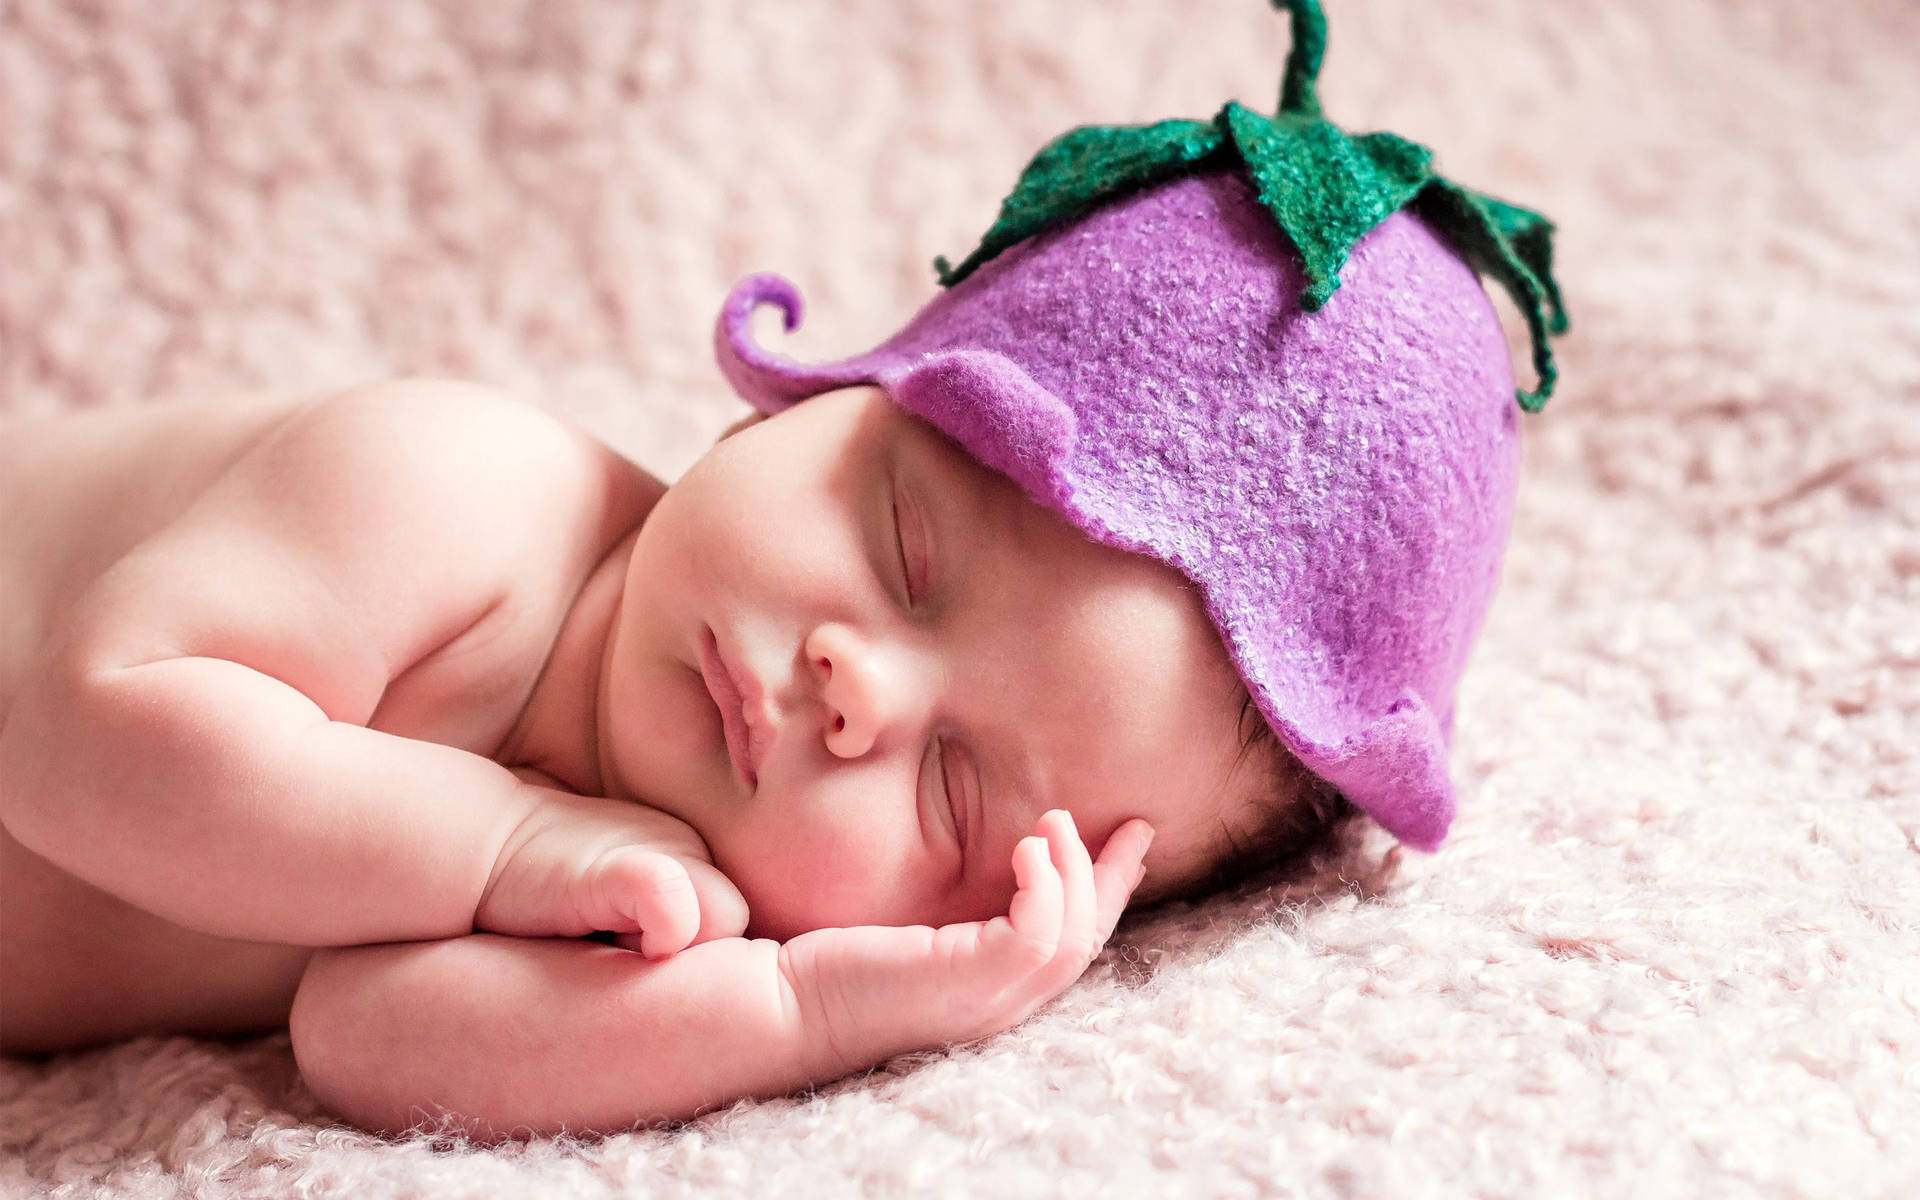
column 504, row 1036
column 195, row 740
column 510, row 1035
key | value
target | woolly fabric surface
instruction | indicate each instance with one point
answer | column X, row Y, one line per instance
column 1670, row 947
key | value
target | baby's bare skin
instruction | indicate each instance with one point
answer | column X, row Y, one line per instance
column 77, row 493
column 369, row 617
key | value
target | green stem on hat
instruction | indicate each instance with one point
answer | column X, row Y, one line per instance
column 1325, row 188
column 1303, row 57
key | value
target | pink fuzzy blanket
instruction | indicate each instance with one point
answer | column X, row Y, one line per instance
column 1671, row 946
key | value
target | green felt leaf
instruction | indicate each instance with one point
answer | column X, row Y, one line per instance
column 1506, row 241
column 1325, row 189
column 1531, row 237
column 1081, row 168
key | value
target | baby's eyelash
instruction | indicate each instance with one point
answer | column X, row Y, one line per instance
column 900, row 545
column 946, row 789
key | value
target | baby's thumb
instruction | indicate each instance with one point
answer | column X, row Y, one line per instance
column 723, row 910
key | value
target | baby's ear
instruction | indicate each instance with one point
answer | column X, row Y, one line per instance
column 746, row 422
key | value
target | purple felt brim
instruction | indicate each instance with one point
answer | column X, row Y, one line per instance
column 1337, row 484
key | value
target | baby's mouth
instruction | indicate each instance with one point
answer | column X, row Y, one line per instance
column 727, row 698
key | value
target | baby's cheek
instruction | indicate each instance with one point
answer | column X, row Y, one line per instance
column 796, row 884
column 796, row 893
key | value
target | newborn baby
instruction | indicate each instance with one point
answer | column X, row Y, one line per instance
column 533, row 794
column 418, row 659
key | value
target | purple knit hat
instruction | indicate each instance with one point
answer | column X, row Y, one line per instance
column 1337, row 483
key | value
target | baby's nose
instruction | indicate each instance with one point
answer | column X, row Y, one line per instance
column 864, row 691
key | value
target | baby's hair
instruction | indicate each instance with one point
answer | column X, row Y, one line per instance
column 1302, row 824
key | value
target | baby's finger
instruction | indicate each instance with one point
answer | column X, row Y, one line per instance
column 1037, row 906
column 1119, row 871
column 723, row 910
column 655, row 892
column 1078, row 937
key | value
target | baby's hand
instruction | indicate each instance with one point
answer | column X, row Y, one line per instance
column 874, row 991
column 582, row 864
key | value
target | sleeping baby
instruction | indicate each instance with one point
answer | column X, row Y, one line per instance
column 533, row 794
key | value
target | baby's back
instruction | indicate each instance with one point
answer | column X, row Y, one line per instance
column 77, row 491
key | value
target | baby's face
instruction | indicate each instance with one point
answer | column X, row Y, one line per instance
column 861, row 666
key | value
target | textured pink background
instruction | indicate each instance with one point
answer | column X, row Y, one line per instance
column 1671, row 947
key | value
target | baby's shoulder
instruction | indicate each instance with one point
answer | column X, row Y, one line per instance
column 477, row 457
column 470, row 466
column 469, row 438
column 387, row 519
